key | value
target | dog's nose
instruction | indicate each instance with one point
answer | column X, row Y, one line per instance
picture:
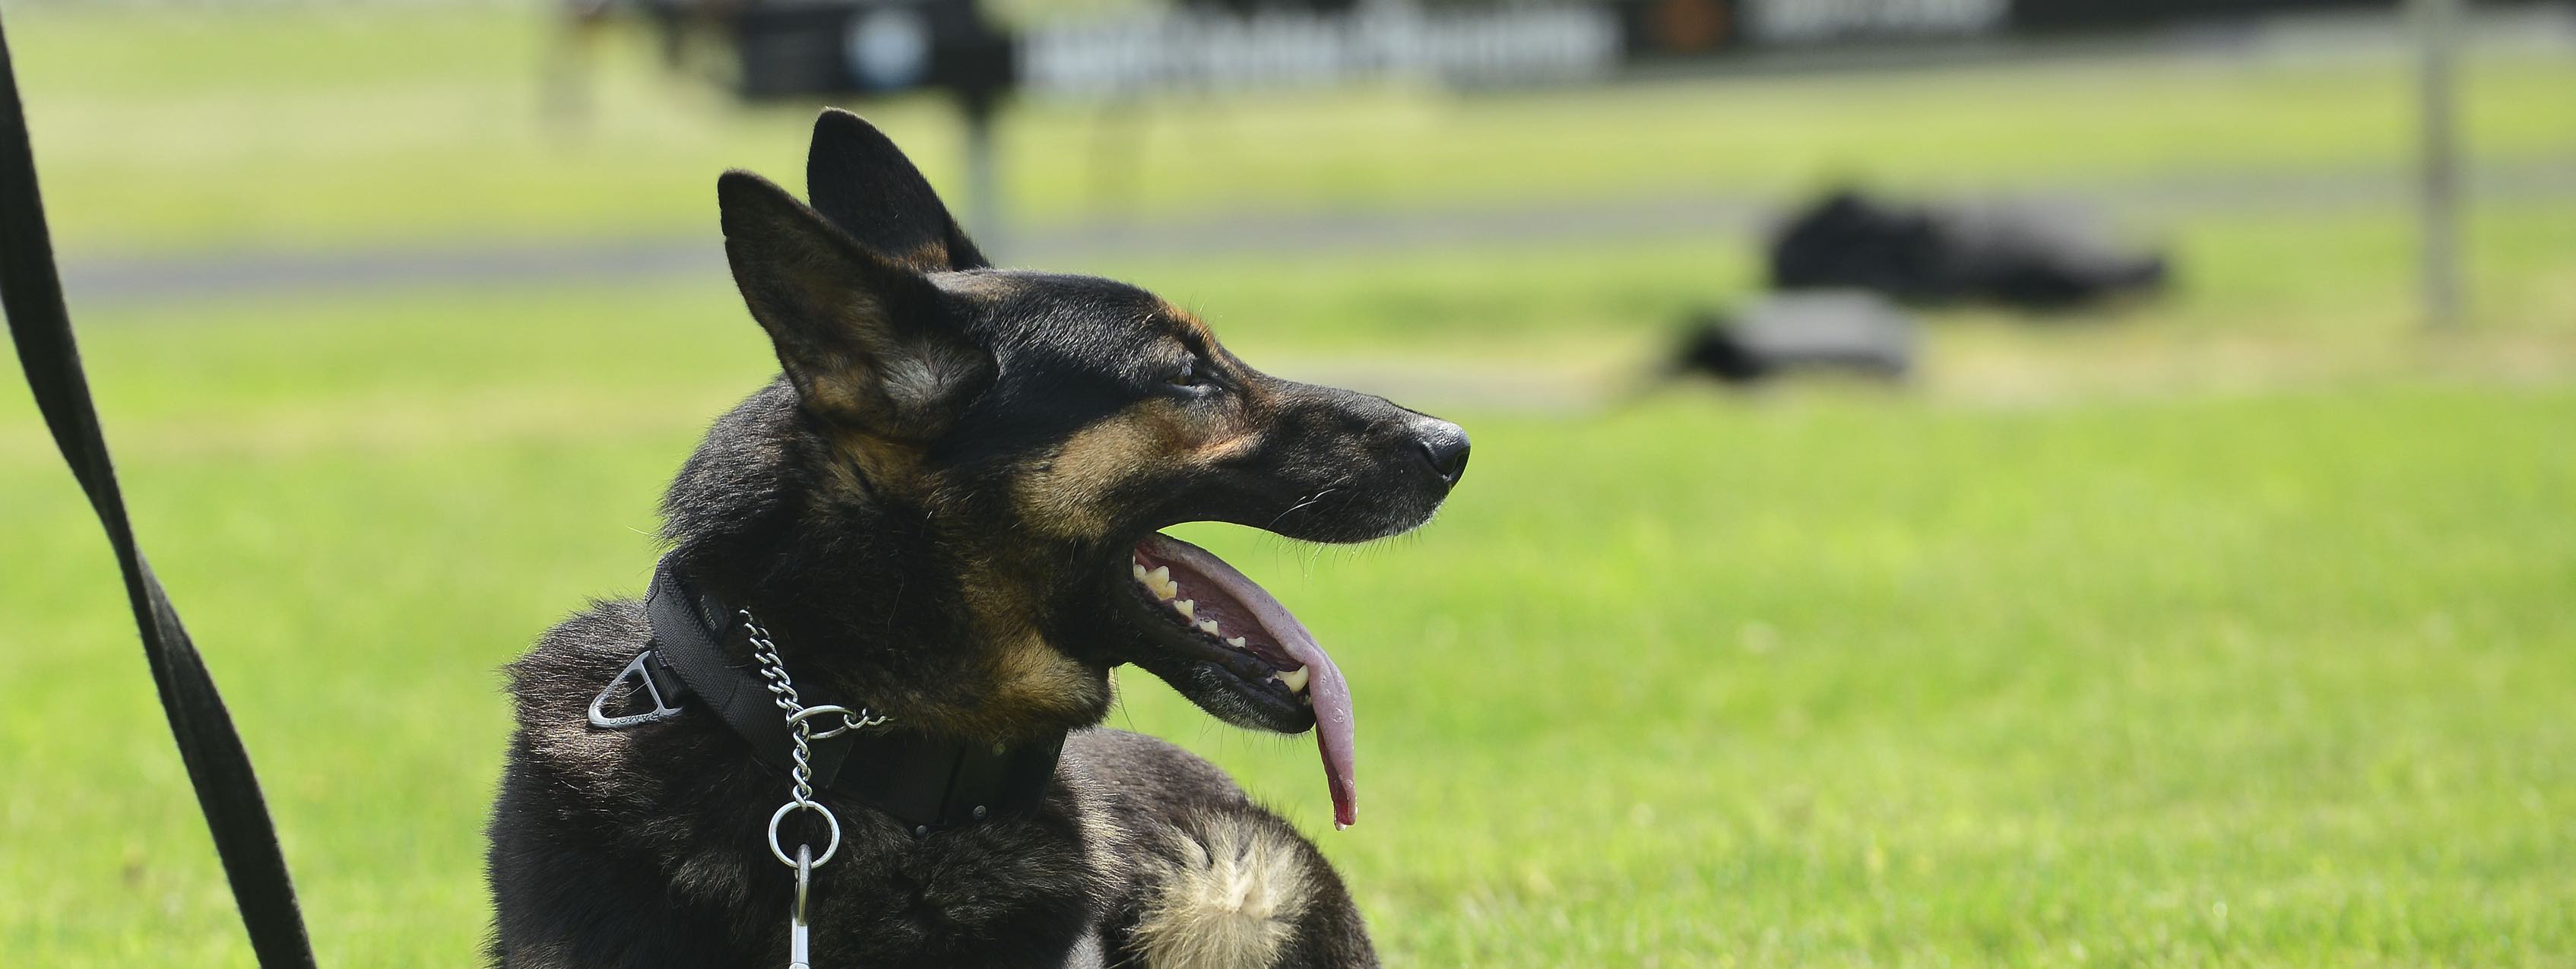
column 1445, row 445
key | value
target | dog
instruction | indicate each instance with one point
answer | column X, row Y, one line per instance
column 933, row 536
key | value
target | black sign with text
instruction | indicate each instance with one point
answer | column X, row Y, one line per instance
column 871, row 48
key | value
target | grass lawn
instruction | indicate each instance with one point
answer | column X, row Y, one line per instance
column 321, row 127
column 2273, row 678
column 2229, row 629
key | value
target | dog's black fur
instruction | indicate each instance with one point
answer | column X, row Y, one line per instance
column 932, row 511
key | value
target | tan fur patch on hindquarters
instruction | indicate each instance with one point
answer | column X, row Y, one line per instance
column 1228, row 898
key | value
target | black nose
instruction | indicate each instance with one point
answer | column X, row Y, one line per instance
column 1446, row 448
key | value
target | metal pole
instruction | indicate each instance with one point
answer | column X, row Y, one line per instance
column 983, row 176
column 2437, row 27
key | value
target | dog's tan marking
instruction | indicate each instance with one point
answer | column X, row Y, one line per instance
column 1028, row 682
column 1068, row 494
column 1229, row 447
column 1228, row 898
column 1039, row 683
column 930, row 256
column 829, row 372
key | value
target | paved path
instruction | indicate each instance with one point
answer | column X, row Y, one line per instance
column 109, row 279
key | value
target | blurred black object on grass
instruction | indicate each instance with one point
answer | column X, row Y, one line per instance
column 2023, row 255
column 1845, row 268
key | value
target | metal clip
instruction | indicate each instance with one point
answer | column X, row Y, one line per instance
column 798, row 956
column 662, row 709
column 849, row 721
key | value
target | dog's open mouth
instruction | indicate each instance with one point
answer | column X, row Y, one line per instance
column 1237, row 639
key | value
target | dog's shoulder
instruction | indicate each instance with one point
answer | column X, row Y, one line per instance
column 552, row 687
column 579, row 655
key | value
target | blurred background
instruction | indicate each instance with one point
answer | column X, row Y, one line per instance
column 1958, row 481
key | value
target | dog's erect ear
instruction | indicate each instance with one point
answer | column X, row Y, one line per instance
column 868, row 343
column 862, row 182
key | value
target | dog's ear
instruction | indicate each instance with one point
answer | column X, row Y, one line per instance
column 868, row 343
column 862, row 182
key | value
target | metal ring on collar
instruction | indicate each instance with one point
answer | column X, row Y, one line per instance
column 846, row 720
column 829, row 847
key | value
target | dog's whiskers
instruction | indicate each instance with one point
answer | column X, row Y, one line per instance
column 1308, row 502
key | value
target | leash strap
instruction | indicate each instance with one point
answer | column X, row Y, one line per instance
column 41, row 327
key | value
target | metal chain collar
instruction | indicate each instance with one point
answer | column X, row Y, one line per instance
column 800, row 795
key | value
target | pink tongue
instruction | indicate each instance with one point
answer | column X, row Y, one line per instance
column 1325, row 689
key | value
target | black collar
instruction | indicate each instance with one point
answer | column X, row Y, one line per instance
column 924, row 782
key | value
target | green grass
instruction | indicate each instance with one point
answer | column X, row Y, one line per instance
column 2272, row 679
column 322, row 127
column 2228, row 629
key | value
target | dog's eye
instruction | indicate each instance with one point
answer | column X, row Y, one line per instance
column 1188, row 375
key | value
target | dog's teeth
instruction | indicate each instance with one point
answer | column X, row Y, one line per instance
column 1139, row 568
column 1189, row 609
column 1296, row 679
column 1161, row 581
column 1236, row 642
column 1208, row 626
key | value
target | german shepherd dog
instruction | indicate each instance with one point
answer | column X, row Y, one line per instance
column 942, row 517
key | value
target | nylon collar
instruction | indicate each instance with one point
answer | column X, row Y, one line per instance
column 925, row 782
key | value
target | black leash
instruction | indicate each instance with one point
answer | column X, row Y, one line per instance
column 41, row 326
